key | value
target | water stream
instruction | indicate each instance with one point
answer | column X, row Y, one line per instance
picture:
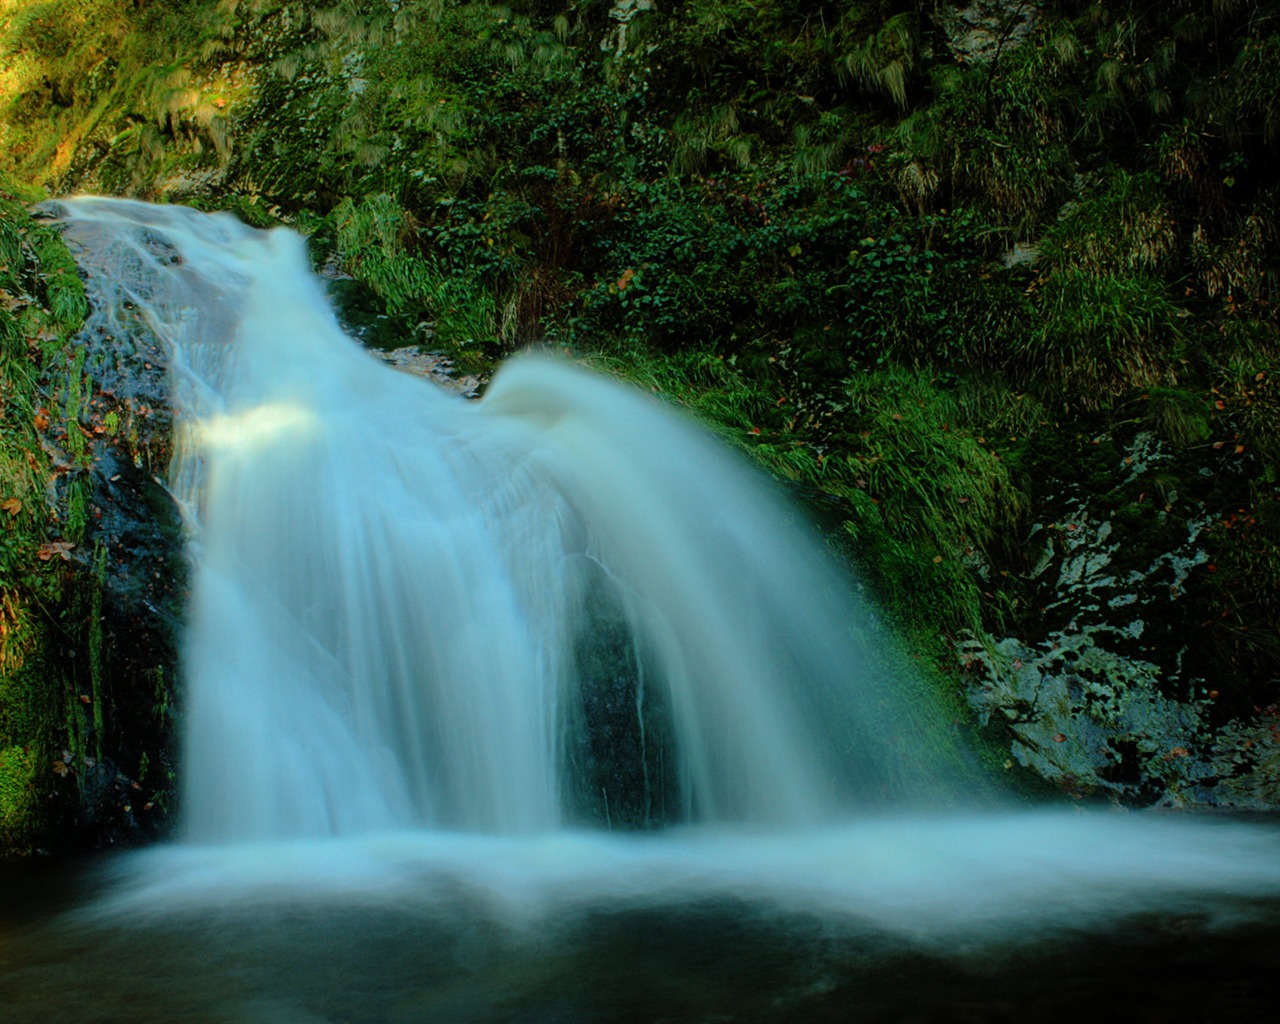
column 413, row 617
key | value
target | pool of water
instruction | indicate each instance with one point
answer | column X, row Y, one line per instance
column 860, row 924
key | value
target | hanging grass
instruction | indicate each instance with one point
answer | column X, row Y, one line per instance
column 1099, row 337
column 1125, row 225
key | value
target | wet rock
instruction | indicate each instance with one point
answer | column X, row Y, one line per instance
column 981, row 31
column 1115, row 694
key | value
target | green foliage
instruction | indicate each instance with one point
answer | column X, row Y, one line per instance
column 883, row 59
column 868, row 255
column 1100, row 336
column 998, row 136
column 88, row 77
column 795, row 257
column 715, row 389
column 667, row 275
column 19, row 773
column 459, row 313
column 1178, row 416
column 1123, row 225
column 932, row 498
column 40, row 298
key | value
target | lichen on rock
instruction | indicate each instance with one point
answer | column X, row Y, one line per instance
column 1111, row 699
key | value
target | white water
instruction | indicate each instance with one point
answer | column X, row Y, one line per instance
column 393, row 589
column 393, row 586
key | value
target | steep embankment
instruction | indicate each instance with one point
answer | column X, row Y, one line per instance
column 89, row 575
column 992, row 283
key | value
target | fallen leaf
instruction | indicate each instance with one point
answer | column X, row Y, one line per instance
column 11, row 505
column 55, row 549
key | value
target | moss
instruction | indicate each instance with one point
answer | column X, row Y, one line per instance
column 30, row 719
column 97, row 660
column 41, row 594
column 19, row 804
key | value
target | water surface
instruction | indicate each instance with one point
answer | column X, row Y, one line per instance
column 995, row 918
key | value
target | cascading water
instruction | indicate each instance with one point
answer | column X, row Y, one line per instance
column 395, row 588
column 413, row 617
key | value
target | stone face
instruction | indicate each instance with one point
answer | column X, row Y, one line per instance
column 981, row 31
column 622, row 12
column 1112, row 697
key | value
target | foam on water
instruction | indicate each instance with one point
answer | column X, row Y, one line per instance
column 978, row 879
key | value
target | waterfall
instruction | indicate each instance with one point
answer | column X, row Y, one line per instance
column 436, row 649
column 408, row 608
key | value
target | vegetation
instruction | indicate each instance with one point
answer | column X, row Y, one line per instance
column 72, row 740
column 925, row 269
column 40, row 297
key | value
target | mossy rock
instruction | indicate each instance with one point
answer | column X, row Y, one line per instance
column 92, row 573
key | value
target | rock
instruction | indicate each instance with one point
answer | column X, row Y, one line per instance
column 981, row 31
column 623, row 12
column 1113, row 696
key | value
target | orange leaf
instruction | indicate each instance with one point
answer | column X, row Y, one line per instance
column 42, row 419
column 11, row 505
column 55, row 549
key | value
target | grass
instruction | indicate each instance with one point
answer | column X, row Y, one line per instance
column 1100, row 336
column 41, row 302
